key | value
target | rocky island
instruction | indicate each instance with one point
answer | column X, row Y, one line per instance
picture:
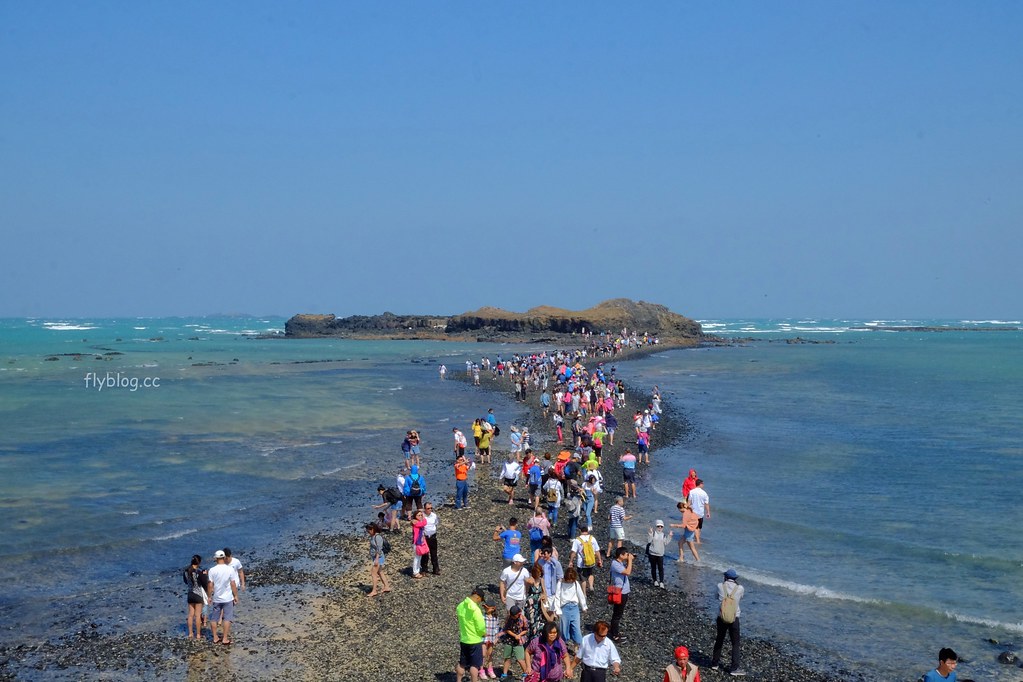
column 540, row 324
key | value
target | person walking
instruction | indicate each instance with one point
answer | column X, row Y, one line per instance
column 616, row 528
column 621, row 569
column 596, row 654
column 730, row 593
column 471, row 630
column 586, row 556
column 512, row 585
column 548, row 655
column 377, row 560
column 656, row 542
column 570, row 601
column 699, row 502
column 689, row 525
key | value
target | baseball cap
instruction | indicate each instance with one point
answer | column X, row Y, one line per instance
column 731, row 574
column 659, row 524
column 681, row 651
column 478, row 591
column 519, row 558
column 219, row 554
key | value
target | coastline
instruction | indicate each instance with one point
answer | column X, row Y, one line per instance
column 306, row 615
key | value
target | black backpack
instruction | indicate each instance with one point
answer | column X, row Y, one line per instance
column 415, row 490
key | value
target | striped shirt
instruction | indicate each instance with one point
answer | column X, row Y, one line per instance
column 617, row 515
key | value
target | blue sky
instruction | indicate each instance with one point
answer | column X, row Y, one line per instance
column 858, row 159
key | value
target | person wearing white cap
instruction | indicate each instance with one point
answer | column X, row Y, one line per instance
column 656, row 542
column 513, row 583
column 225, row 596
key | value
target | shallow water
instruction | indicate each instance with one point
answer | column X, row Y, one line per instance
column 865, row 491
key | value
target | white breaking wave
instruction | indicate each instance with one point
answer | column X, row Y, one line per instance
column 175, row 536
column 819, row 591
column 65, row 327
column 986, row 622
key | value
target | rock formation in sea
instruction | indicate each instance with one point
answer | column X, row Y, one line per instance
column 489, row 323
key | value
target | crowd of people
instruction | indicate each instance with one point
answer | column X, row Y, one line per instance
column 536, row 625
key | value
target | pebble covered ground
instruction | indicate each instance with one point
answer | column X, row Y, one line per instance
column 306, row 615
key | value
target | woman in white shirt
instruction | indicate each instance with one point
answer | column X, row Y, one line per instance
column 570, row 603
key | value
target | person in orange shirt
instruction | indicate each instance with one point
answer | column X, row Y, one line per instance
column 462, row 466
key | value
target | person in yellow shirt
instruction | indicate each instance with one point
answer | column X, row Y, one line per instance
column 471, row 630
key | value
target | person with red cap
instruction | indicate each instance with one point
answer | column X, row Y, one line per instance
column 681, row 670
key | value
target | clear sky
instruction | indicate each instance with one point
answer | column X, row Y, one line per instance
column 761, row 159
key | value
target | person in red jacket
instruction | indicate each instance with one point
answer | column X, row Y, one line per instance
column 689, row 484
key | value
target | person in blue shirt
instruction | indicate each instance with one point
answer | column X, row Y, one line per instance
column 512, row 539
column 415, row 487
column 945, row 672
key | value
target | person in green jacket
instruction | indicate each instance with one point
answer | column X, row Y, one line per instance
column 471, row 630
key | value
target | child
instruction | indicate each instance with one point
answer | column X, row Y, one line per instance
column 513, row 637
column 490, row 641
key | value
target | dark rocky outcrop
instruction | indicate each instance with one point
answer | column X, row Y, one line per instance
column 308, row 326
column 493, row 323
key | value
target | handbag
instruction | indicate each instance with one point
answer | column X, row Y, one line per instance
column 614, row 594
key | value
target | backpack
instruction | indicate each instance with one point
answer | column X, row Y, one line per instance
column 415, row 490
column 729, row 606
column 552, row 494
column 535, row 534
column 589, row 558
column 386, row 546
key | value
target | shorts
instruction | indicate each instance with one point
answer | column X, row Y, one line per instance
column 515, row 651
column 688, row 535
column 629, row 475
column 700, row 524
column 415, row 450
column 223, row 607
column 533, row 487
column 617, row 533
column 470, row 655
column 586, row 572
column 511, row 482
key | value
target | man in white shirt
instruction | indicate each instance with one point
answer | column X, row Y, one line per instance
column 513, row 583
column 597, row 653
column 236, row 567
column 225, row 596
column 699, row 501
column 430, row 532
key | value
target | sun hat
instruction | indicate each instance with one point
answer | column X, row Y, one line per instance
column 731, row 574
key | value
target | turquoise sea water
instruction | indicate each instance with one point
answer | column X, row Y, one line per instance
column 865, row 490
